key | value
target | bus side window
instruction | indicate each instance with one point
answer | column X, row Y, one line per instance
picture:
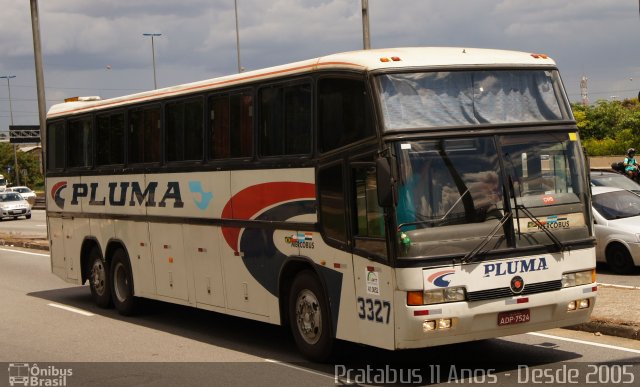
column 342, row 113
column 144, row 135
column 241, row 136
column 369, row 216
column 55, row 145
column 79, row 151
column 183, row 127
column 332, row 202
column 285, row 120
column 110, row 139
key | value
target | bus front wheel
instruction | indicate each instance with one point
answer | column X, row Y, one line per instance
column 309, row 317
column 99, row 279
column 122, row 284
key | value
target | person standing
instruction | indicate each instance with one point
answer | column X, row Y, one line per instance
column 630, row 163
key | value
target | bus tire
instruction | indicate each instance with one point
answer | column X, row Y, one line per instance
column 619, row 259
column 122, row 283
column 309, row 317
column 99, row 282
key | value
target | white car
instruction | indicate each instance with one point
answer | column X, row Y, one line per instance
column 12, row 205
column 26, row 192
column 616, row 214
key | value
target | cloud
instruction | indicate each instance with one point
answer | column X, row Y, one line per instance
column 80, row 38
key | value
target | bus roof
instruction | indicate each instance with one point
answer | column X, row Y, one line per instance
column 363, row 60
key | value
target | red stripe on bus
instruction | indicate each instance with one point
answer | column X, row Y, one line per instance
column 251, row 200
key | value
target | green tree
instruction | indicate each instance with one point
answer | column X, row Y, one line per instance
column 609, row 127
column 27, row 162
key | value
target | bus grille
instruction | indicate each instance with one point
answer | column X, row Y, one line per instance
column 491, row 294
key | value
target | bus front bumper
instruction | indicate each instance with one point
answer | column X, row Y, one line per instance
column 439, row 324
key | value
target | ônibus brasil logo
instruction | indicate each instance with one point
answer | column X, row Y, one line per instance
column 26, row 374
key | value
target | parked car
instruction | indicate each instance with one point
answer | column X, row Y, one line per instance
column 13, row 205
column 25, row 192
column 616, row 214
column 612, row 179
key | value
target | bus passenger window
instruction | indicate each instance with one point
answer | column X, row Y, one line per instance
column 184, row 130
column 285, row 120
column 144, row 135
column 110, row 139
column 55, row 146
column 231, row 125
column 79, row 143
column 343, row 117
column 241, row 136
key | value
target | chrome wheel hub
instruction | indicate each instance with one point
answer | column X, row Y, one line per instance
column 98, row 276
column 308, row 317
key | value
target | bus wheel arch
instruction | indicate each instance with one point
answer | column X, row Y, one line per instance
column 307, row 311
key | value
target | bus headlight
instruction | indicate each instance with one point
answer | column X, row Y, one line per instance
column 438, row 296
column 578, row 278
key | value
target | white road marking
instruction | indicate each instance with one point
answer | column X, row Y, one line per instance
column 71, row 309
column 300, row 369
column 24, row 252
column 619, row 286
column 584, row 342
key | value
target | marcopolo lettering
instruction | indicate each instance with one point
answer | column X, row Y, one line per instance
column 120, row 192
column 515, row 267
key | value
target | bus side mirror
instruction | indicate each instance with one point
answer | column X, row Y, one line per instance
column 384, row 183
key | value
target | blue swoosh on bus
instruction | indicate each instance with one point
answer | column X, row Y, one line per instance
column 438, row 278
column 205, row 197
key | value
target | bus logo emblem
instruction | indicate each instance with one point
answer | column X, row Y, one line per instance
column 439, row 280
column 517, row 284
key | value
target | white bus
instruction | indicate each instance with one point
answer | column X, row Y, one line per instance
column 3, row 183
column 398, row 198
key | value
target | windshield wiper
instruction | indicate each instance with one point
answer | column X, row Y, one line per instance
column 429, row 221
column 473, row 253
column 541, row 226
column 526, row 211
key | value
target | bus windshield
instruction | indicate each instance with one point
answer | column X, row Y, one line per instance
column 462, row 98
column 504, row 192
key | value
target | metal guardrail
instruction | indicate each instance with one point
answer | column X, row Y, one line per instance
column 40, row 203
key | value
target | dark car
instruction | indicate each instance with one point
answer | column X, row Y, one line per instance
column 612, row 179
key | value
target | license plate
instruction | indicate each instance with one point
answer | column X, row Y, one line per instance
column 514, row 317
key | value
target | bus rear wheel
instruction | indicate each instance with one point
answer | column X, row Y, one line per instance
column 309, row 317
column 99, row 279
column 122, row 284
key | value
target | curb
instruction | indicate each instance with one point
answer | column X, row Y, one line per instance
column 609, row 329
column 26, row 245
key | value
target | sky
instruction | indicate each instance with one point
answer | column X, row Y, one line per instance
column 93, row 47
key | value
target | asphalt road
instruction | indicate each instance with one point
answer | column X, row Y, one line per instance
column 36, row 226
column 54, row 325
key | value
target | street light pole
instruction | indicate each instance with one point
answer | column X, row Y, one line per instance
column 237, row 36
column 15, row 151
column 153, row 57
column 366, row 38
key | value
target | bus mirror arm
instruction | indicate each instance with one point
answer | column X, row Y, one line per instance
column 384, row 182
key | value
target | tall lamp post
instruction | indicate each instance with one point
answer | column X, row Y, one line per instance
column 240, row 69
column 15, row 152
column 153, row 57
column 366, row 37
